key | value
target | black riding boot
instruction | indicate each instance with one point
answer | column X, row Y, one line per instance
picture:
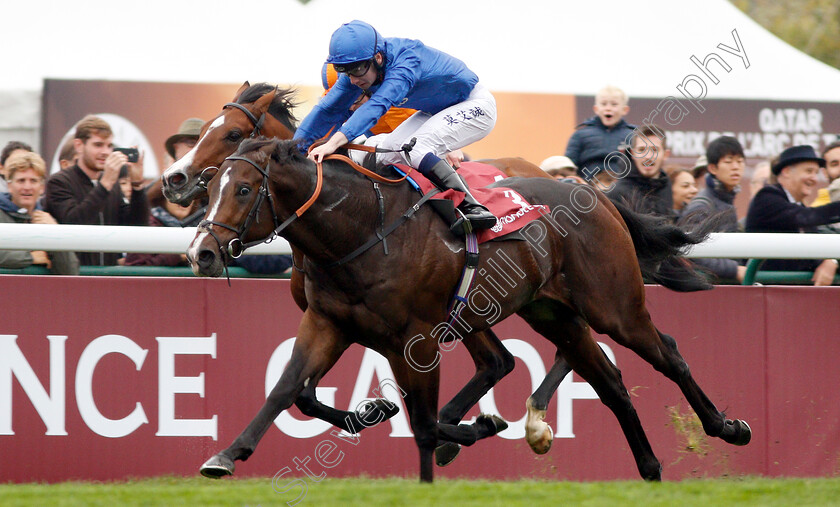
column 445, row 177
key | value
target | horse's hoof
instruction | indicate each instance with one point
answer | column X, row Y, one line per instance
column 736, row 432
column 492, row 424
column 446, row 453
column 386, row 408
column 542, row 444
column 218, row 466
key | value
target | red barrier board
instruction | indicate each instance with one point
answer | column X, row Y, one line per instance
column 109, row 378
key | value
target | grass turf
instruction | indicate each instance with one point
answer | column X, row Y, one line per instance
column 373, row 492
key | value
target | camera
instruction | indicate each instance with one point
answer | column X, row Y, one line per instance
column 133, row 154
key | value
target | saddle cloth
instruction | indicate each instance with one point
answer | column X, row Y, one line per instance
column 510, row 208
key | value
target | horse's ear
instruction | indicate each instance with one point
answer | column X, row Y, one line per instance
column 263, row 103
column 241, row 89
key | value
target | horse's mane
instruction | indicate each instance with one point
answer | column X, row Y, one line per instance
column 284, row 152
column 281, row 107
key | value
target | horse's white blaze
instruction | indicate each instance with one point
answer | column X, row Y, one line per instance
column 188, row 159
column 222, row 183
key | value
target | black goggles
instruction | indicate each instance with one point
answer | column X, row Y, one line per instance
column 355, row 69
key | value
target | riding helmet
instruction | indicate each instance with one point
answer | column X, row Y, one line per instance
column 355, row 41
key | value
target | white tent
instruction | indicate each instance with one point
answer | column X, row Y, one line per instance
column 543, row 46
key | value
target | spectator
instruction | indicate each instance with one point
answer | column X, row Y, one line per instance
column 725, row 157
column 831, row 154
column 700, row 167
column 779, row 208
column 596, row 147
column 11, row 148
column 67, row 155
column 683, row 187
column 27, row 172
column 88, row 193
column 561, row 167
column 831, row 193
column 179, row 144
column 454, row 108
column 646, row 186
column 761, row 177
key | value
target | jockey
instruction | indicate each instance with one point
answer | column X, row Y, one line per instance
column 453, row 109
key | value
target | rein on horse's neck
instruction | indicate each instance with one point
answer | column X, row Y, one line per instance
column 362, row 209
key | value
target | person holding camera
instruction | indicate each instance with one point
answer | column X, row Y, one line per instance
column 89, row 192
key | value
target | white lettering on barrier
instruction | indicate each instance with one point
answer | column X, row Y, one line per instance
column 50, row 407
column 372, row 364
column 169, row 385
column 96, row 350
column 569, row 391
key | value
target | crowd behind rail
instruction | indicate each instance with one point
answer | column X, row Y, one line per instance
column 98, row 185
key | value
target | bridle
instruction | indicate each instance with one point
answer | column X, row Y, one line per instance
column 205, row 177
column 237, row 245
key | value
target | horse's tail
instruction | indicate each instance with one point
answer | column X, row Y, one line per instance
column 659, row 243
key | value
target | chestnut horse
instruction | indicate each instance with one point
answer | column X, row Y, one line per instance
column 576, row 271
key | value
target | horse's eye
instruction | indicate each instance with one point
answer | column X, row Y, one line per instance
column 234, row 135
column 243, row 191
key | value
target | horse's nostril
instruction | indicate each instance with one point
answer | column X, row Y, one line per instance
column 176, row 180
column 206, row 257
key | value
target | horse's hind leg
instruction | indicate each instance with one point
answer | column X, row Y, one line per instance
column 571, row 335
column 660, row 350
column 492, row 362
column 538, row 433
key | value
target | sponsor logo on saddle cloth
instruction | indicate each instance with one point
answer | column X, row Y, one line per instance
column 510, row 208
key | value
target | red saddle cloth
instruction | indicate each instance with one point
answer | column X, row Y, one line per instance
column 510, row 208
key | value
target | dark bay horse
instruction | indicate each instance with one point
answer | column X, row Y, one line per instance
column 263, row 109
column 577, row 270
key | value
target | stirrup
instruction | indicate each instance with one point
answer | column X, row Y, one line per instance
column 477, row 222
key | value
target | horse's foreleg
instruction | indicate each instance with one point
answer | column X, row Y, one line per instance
column 421, row 388
column 492, row 362
column 317, row 348
column 538, row 433
column 352, row 422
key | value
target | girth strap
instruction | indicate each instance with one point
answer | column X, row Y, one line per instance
column 459, row 299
